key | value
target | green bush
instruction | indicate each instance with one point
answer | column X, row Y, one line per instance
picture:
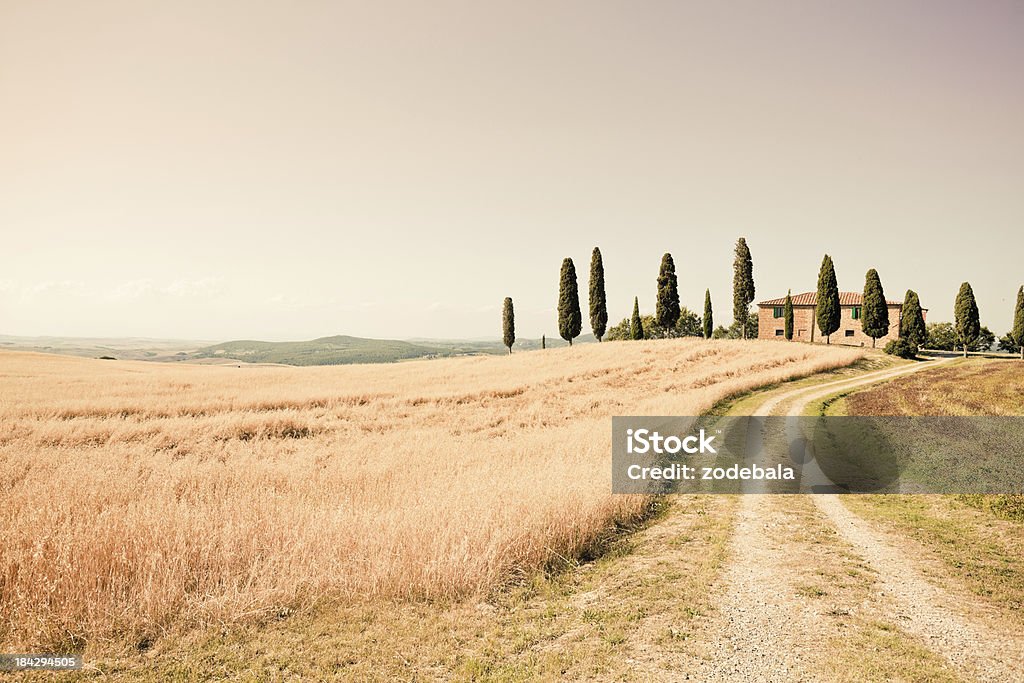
column 902, row 347
column 941, row 336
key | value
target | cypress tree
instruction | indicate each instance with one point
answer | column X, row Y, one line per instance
column 543, row 341
column 742, row 284
column 598, row 301
column 968, row 324
column 912, row 326
column 787, row 312
column 570, row 320
column 636, row 325
column 666, row 311
column 708, row 321
column 828, row 299
column 875, row 313
column 1017, row 334
column 508, row 324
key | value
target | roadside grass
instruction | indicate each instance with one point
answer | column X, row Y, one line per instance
column 982, row 553
column 896, row 657
column 830, row 577
column 586, row 622
column 746, row 403
column 835, row 404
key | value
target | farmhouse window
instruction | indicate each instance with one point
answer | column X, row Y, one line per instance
column 849, row 333
column 856, row 312
column 779, row 333
column 778, row 312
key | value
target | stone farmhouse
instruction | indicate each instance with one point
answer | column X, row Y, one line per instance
column 771, row 320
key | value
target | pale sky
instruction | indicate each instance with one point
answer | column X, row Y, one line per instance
column 288, row 170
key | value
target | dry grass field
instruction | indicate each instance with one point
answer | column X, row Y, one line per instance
column 974, row 387
column 140, row 498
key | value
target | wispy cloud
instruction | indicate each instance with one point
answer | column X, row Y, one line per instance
column 55, row 288
column 201, row 287
column 131, row 290
column 128, row 290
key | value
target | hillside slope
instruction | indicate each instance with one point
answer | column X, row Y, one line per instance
column 337, row 350
column 345, row 350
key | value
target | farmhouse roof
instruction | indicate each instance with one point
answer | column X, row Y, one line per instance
column 811, row 299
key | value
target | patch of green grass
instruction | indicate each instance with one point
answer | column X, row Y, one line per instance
column 1002, row 506
column 895, row 657
column 811, row 591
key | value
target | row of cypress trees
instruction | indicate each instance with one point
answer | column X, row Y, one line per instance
column 874, row 310
column 667, row 306
column 874, row 313
column 570, row 317
column 913, row 333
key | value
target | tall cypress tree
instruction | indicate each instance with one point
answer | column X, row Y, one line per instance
column 666, row 309
column 598, row 301
column 1017, row 333
column 708, row 320
column 912, row 326
column 875, row 313
column 828, row 299
column 968, row 324
column 636, row 325
column 787, row 314
column 508, row 324
column 570, row 320
column 742, row 284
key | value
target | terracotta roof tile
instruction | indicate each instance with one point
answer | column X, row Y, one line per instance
column 811, row 299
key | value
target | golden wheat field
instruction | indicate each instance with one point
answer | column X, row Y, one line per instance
column 139, row 496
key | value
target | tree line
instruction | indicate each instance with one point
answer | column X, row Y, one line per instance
column 670, row 319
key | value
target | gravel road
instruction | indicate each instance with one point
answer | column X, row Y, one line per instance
column 765, row 631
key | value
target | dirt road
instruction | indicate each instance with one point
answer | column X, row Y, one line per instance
column 766, row 629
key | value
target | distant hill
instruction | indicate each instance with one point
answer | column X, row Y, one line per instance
column 336, row 350
column 343, row 350
column 123, row 348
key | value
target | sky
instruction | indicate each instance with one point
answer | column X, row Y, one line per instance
column 290, row 170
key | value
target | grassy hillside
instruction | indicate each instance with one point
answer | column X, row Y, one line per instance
column 344, row 350
column 338, row 350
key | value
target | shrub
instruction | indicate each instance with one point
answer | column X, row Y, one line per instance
column 941, row 336
column 618, row 332
column 902, row 347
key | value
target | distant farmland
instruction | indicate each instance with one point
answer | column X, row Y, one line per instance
column 335, row 350
column 339, row 350
column 345, row 350
column 141, row 497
